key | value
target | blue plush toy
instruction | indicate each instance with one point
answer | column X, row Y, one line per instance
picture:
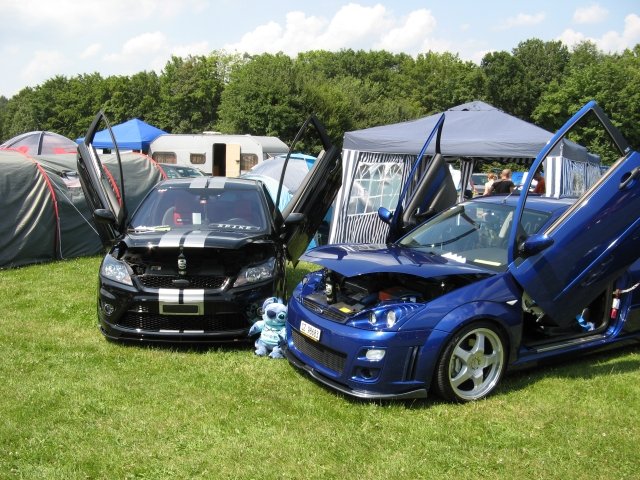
column 271, row 328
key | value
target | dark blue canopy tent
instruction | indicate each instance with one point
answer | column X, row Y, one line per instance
column 133, row 134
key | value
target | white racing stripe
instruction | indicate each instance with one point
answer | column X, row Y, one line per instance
column 195, row 239
column 193, row 296
column 169, row 295
column 170, row 240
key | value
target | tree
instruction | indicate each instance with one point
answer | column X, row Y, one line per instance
column 612, row 80
column 262, row 98
column 438, row 81
column 190, row 92
column 506, row 83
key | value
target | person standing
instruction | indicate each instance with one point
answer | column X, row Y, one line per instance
column 540, row 186
column 490, row 179
column 504, row 184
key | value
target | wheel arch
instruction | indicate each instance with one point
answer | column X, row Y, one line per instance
column 506, row 318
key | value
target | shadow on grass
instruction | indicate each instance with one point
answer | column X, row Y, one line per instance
column 186, row 347
column 585, row 366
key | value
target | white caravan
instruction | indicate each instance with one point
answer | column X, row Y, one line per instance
column 215, row 153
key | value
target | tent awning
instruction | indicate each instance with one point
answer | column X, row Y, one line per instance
column 133, row 134
column 474, row 129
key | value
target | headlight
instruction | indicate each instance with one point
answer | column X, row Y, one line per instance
column 115, row 270
column 391, row 318
column 257, row 273
column 388, row 316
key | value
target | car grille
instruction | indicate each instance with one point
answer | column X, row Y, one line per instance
column 325, row 356
column 325, row 310
column 154, row 322
column 195, row 281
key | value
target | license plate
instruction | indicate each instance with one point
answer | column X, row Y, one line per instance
column 310, row 331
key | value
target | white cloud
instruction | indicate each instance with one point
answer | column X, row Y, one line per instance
column 141, row 47
column 91, row 51
column 410, row 34
column 199, row 48
column 71, row 16
column 611, row 41
column 571, row 38
column 353, row 26
column 44, row 64
column 522, row 20
column 591, row 14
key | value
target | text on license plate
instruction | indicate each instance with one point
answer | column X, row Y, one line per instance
column 310, row 331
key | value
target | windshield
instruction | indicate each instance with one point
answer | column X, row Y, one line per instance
column 475, row 233
column 238, row 208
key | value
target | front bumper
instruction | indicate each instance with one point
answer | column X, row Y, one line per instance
column 129, row 314
column 338, row 360
column 362, row 394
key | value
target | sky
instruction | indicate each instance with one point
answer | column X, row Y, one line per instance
column 40, row 39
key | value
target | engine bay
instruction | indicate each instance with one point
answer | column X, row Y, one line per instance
column 347, row 296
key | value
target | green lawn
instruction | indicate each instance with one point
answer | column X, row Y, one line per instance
column 76, row 406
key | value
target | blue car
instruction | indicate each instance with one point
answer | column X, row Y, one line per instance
column 463, row 292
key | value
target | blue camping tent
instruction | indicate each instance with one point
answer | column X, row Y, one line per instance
column 133, row 134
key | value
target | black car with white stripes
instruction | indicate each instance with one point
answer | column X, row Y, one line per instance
column 199, row 255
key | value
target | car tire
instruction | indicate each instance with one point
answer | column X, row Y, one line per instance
column 472, row 363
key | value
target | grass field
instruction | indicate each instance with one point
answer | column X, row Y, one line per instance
column 76, row 406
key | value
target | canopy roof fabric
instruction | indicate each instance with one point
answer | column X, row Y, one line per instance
column 40, row 143
column 474, row 129
column 133, row 134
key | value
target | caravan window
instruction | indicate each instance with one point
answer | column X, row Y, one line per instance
column 164, row 157
column 197, row 158
column 248, row 161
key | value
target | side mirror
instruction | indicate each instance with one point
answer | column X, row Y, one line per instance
column 294, row 218
column 534, row 244
column 385, row 215
column 104, row 216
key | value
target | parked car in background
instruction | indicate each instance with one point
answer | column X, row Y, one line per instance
column 479, row 180
column 494, row 283
column 199, row 255
column 180, row 171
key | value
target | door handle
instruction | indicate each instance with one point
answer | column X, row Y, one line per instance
column 629, row 177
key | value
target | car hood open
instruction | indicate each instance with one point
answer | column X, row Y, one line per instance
column 351, row 260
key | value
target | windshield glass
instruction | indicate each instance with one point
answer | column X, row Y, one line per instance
column 475, row 233
column 238, row 208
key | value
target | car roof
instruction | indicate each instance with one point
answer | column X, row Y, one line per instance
column 210, row 182
column 534, row 202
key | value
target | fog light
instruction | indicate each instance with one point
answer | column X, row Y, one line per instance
column 375, row 354
column 108, row 308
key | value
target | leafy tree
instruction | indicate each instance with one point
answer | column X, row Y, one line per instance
column 262, row 98
column 137, row 96
column 612, row 80
column 438, row 81
column 20, row 114
column 507, row 84
column 543, row 64
column 190, row 91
